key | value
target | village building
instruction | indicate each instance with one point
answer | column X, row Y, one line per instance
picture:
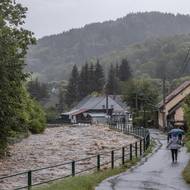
column 97, row 109
column 171, row 113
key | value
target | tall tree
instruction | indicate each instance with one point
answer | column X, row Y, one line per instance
column 62, row 92
column 124, row 71
column 84, row 81
column 99, row 78
column 91, row 74
column 142, row 96
column 37, row 90
column 117, row 70
column 112, row 86
column 14, row 41
column 72, row 94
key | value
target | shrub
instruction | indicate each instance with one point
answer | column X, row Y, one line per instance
column 32, row 116
column 36, row 127
column 37, row 123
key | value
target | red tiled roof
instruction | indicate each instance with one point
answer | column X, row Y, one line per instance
column 175, row 93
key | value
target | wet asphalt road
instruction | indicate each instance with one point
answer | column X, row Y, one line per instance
column 156, row 173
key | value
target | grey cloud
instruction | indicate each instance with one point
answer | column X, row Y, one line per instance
column 47, row 17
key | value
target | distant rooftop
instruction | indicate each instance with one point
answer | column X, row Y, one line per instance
column 98, row 103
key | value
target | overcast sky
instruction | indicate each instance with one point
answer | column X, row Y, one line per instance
column 47, row 17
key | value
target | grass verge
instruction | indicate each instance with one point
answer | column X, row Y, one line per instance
column 186, row 171
column 90, row 181
column 187, row 141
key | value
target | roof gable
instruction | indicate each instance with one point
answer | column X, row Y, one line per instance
column 174, row 93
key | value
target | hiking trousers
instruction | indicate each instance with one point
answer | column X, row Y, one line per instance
column 174, row 153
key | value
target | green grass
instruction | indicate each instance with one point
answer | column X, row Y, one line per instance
column 90, row 181
column 150, row 148
column 186, row 173
column 188, row 146
column 187, row 141
column 87, row 182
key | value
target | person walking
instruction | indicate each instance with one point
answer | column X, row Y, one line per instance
column 174, row 146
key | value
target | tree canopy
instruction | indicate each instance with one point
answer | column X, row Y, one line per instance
column 14, row 42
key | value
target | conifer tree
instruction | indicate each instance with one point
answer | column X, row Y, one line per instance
column 84, row 82
column 112, row 86
column 124, row 71
column 99, row 78
column 117, row 70
column 72, row 93
column 91, row 82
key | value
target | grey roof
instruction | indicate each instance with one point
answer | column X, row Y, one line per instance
column 119, row 100
column 97, row 103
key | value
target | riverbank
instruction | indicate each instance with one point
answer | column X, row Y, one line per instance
column 58, row 145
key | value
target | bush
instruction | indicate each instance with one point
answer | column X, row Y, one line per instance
column 138, row 121
column 37, row 122
column 32, row 116
column 36, row 127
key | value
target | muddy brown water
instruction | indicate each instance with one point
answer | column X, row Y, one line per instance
column 58, row 145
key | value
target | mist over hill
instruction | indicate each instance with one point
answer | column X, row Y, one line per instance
column 53, row 56
column 153, row 57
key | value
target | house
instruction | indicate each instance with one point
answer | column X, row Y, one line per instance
column 97, row 109
column 173, row 113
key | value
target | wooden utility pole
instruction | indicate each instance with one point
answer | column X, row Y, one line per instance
column 164, row 100
column 107, row 104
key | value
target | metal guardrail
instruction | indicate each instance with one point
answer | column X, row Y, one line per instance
column 115, row 157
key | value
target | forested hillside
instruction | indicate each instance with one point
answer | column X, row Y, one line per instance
column 54, row 55
column 153, row 57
